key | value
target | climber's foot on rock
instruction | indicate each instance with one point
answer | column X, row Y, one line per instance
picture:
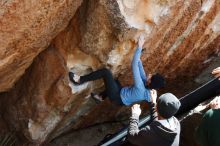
column 75, row 79
column 97, row 98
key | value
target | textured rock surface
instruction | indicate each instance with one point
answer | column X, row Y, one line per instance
column 40, row 106
column 3, row 126
column 181, row 39
column 27, row 28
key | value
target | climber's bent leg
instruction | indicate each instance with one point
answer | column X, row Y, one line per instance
column 112, row 88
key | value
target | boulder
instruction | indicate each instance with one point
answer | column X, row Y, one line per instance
column 27, row 28
column 182, row 37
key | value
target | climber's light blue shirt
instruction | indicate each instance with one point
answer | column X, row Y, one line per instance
column 138, row 91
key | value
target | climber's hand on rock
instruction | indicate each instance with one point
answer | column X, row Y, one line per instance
column 216, row 72
column 141, row 41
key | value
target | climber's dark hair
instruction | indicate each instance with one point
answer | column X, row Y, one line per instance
column 157, row 81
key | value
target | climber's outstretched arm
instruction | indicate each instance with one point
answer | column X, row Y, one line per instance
column 135, row 62
column 142, row 72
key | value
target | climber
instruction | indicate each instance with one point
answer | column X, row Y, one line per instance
column 164, row 130
column 208, row 131
column 124, row 95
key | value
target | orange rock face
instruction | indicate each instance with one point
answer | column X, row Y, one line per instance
column 181, row 39
column 27, row 28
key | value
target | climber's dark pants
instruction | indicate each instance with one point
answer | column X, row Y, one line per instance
column 112, row 87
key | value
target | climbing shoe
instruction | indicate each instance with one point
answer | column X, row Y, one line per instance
column 96, row 97
column 74, row 78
